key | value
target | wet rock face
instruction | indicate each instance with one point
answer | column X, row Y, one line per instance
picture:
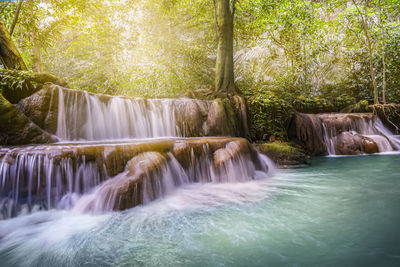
column 143, row 117
column 126, row 189
column 349, row 144
column 144, row 178
column 17, row 129
column 124, row 174
column 221, row 120
column 307, row 130
column 192, row 115
column 41, row 108
column 370, row 146
column 231, row 151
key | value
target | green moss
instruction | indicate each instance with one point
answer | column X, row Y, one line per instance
column 283, row 153
column 284, row 149
column 16, row 85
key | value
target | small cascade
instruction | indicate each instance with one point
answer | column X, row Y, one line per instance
column 362, row 133
column 31, row 179
column 344, row 134
column 86, row 116
column 118, row 176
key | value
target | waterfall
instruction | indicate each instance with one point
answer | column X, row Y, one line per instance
column 117, row 176
column 342, row 134
column 86, row 116
column 356, row 130
column 32, row 179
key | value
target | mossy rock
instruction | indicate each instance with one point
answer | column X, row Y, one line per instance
column 16, row 85
column 283, row 154
column 222, row 119
column 17, row 129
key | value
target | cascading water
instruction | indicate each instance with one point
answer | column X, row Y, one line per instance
column 366, row 129
column 342, row 134
column 85, row 116
column 33, row 179
column 80, row 176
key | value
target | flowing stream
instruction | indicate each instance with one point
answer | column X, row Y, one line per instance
column 86, row 116
column 341, row 211
column 363, row 125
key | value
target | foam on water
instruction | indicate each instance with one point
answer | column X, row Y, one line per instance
column 365, row 125
column 314, row 216
column 77, row 176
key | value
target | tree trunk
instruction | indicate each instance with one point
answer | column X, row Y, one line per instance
column 15, row 17
column 383, row 74
column 9, row 54
column 383, row 55
column 36, row 57
column 371, row 54
column 371, row 65
column 224, row 79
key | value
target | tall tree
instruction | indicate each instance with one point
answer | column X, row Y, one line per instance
column 9, row 54
column 224, row 79
column 364, row 18
column 383, row 53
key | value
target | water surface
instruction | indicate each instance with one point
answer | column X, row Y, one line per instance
column 341, row 211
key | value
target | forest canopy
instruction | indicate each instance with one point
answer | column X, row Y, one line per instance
column 288, row 49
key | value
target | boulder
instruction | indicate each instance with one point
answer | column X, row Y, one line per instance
column 145, row 163
column 348, row 143
column 42, row 107
column 17, row 129
column 125, row 190
column 232, row 150
column 370, row 145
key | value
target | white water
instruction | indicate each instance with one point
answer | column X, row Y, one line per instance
column 85, row 116
column 31, row 180
column 334, row 213
column 39, row 177
column 366, row 125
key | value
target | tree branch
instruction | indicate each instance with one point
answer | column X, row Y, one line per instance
column 15, row 17
column 4, row 7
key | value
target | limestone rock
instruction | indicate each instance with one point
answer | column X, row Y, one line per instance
column 307, row 130
column 231, row 151
column 221, row 120
column 42, row 107
column 17, row 129
column 349, row 144
column 192, row 114
column 370, row 146
column 125, row 190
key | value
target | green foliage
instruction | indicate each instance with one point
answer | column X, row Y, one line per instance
column 283, row 148
column 166, row 48
column 17, row 80
column 283, row 153
column 268, row 115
